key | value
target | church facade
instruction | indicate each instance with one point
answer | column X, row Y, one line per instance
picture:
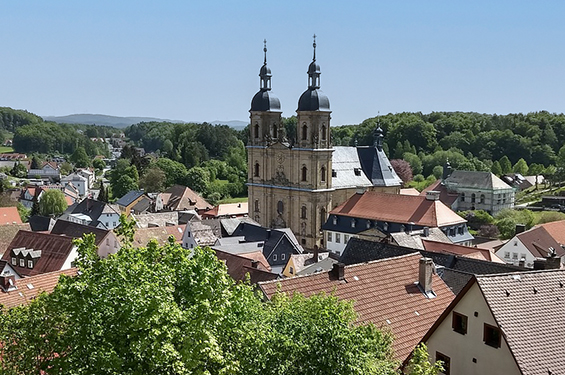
column 294, row 183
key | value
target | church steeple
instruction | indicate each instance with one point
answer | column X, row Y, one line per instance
column 313, row 99
column 264, row 100
column 314, row 70
column 378, row 138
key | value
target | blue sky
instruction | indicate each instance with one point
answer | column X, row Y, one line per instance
column 199, row 60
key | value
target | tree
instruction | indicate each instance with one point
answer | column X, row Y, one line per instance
column 99, row 164
column 153, row 180
column 66, row 168
column 52, row 203
column 123, row 185
column 35, row 163
column 496, row 169
column 420, row 365
column 520, row 167
column 402, row 169
column 80, row 158
column 169, row 310
column 535, row 170
column 175, row 172
column 198, row 179
column 19, row 170
column 505, row 165
column 103, row 194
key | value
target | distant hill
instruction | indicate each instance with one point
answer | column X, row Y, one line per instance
column 123, row 122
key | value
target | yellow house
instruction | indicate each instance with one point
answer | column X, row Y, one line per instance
column 131, row 199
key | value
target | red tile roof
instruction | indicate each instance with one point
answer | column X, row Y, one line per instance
column 180, row 198
column 55, row 249
column 9, row 215
column 556, row 229
column 444, row 196
column 239, row 265
column 142, row 236
column 384, row 292
column 538, row 241
column 399, row 208
column 29, row 287
column 466, row 251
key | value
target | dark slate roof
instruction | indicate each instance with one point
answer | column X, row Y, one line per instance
column 90, row 207
column 76, row 230
column 265, row 101
column 475, row 179
column 131, row 196
column 313, row 100
column 361, row 251
column 377, row 167
column 142, row 206
column 39, row 223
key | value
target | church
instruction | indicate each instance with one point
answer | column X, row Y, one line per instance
column 294, row 183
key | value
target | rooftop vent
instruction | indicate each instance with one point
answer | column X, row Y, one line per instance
column 432, row 195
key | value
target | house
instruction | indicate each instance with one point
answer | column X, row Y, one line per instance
column 17, row 291
column 473, row 190
column 9, row 215
column 227, row 210
column 28, row 196
column 400, row 294
column 308, row 263
column 241, row 265
column 415, row 238
column 79, row 182
column 391, row 213
column 465, row 251
column 34, row 253
column 89, row 175
column 200, row 233
column 135, row 201
column 106, row 240
column 93, row 213
column 277, row 245
column 503, row 324
column 183, row 198
column 49, row 170
column 527, row 246
column 454, row 269
column 156, row 219
column 142, row 236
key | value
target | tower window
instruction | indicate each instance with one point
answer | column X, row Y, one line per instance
column 275, row 131
column 303, row 212
column 304, row 132
column 256, row 131
column 323, row 176
column 256, row 205
column 473, row 198
column 322, row 216
column 280, row 207
column 256, row 171
column 304, row 173
column 324, row 136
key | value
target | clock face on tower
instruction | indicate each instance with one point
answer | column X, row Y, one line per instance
column 280, row 158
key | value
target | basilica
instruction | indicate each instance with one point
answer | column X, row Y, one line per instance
column 294, row 183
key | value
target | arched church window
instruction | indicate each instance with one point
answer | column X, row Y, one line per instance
column 482, row 199
column 322, row 216
column 473, row 198
column 323, row 176
column 303, row 212
column 275, row 131
column 280, row 207
column 304, row 132
column 304, row 173
column 324, row 136
column 256, row 131
column 256, row 170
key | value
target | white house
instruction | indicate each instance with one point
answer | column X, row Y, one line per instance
column 530, row 245
column 80, row 182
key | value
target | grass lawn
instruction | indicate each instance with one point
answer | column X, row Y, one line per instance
column 233, row 200
column 6, row 149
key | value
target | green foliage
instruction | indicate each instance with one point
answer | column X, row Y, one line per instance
column 123, row 178
column 507, row 219
column 520, row 167
column 99, row 164
column 52, row 203
column 23, row 212
column 169, row 310
column 19, row 170
column 198, row 179
column 66, row 168
column 175, row 172
column 505, row 165
column 420, row 365
column 103, row 194
column 496, row 168
column 153, row 180
column 477, row 218
column 80, row 158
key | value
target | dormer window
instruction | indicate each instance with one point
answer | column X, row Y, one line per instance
column 30, row 264
column 368, row 224
column 353, row 223
column 14, row 262
column 334, row 220
column 22, row 262
column 385, row 227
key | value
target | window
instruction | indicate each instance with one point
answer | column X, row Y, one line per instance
column 114, row 224
column 491, row 336
column 473, row 198
column 385, row 227
column 482, row 199
column 462, row 197
column 515, row 256
column 345, row 238
column 304, row 132
column 459, row 323
column 304, row 173
column 324, row 132
column 30, row 264
column 353, row 223
column 303, row 212
column 256, row 171
column 14, row 261
column 280, row 207
column 275, row 131
column 107, row 242
column 334, row 173
column 507, row 254
column 322, row 216
column 334, row 220
column 291, row 270
column 522, row 256
column 256, row 205
column 323, row 174
column 283, row 256
column 274, row 257
column 337, row 238
column 329, row 238
column 22, row 263
column 357, row 171
column 460, row 229
column 446, row 362
column 256, row 131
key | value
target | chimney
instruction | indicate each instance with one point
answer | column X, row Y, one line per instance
column 432, row 195
column 338, row 271
column 7, row 282
column 425, row 275
column 254, row 263
column 553, row 262
column 539, row 264
column 520, row 228
column 316, row 254
column 426, row 232
column 522, row 262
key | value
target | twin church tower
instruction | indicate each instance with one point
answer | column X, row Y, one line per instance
column 294, row 183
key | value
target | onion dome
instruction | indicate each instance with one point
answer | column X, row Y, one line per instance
column 265, row 100
column 313, row 99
